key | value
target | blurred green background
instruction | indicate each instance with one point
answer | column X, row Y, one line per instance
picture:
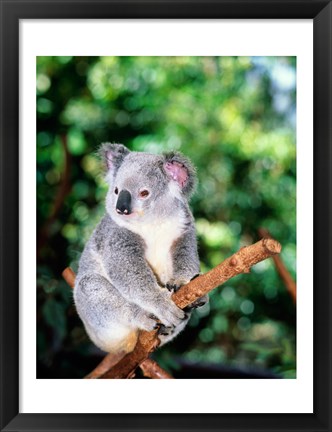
column 235, row 118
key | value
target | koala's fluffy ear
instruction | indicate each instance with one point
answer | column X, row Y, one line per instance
column 113, row 155
column 179, row 169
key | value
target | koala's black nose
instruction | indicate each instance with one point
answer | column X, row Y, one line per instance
column 123, row 204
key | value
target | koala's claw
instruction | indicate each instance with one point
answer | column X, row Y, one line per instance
column 165, row 330
column 196, row 304
column 172, row 287
column 200, row 304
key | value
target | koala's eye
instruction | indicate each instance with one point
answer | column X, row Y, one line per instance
column 116, row 191
column 144, row 193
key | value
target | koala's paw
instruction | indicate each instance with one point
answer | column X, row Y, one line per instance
column 165, row 331
column 175, row 284
column 146, row 321
column 167, row 312
column 197, row 303
column 172, row 287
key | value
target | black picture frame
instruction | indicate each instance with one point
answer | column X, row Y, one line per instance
column 12, row 12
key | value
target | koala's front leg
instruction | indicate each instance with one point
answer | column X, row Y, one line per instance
column 131, row 275
column 186, row 265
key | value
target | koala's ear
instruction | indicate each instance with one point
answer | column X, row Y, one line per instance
column 179, row 169
column 113, row 155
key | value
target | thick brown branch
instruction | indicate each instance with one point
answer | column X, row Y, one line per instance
column 240, row 262
column 147, row 342
column 281, row 268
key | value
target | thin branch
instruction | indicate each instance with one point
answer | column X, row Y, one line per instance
column 63, row 190
column 105, row 365
column 151, row 369
column 281, row 268
column 69, row 276
column 240, row 262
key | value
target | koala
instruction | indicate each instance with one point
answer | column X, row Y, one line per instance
column 142, row 250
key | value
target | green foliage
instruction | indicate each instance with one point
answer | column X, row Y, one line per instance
column 235, row 118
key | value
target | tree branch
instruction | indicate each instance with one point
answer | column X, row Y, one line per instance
column 63, row 190
column 240, row 262
column 281, row 268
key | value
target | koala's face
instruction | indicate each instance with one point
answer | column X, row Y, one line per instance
column 139, row 189
column 145, row 187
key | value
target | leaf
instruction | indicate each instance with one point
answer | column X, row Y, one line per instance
column 55, row 317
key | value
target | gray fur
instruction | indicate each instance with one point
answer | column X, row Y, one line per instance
column 130, row 258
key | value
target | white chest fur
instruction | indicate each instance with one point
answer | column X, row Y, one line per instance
column 159, row 238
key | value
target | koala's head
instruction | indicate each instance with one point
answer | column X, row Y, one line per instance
column 143, row 186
